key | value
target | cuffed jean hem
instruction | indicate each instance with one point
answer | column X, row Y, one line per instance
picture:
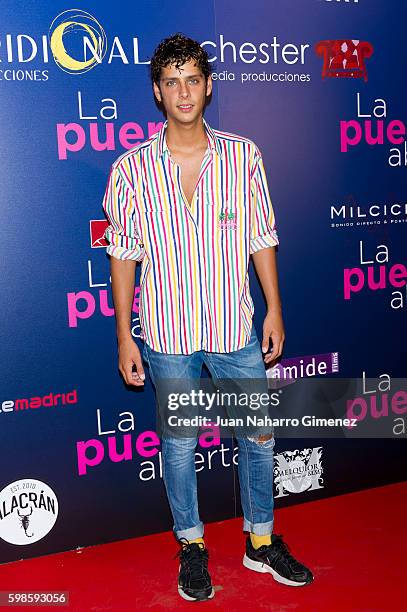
column 192, row 533
column 257, row 528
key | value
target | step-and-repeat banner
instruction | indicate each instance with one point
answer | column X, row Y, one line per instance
column 319, row 86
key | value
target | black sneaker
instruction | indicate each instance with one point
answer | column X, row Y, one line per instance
column 276, row 559
column 194, row 581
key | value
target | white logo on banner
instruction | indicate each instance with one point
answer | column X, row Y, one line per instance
column 297, row 471
column 28, row 511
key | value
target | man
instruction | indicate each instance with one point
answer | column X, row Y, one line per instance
column 192, row 204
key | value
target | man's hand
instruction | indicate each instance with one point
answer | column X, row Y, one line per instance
column 273, row 328
column 129, row 355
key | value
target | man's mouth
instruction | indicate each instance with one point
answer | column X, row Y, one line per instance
column 185, row 107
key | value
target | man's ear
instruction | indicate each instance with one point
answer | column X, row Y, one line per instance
column 209, row 85
column 157, row 92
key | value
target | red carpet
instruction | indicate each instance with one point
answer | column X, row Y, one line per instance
column 354, row 543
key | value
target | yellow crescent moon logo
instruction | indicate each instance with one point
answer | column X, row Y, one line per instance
column 72, row 21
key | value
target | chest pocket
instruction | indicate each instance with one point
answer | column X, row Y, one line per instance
column 155, row 204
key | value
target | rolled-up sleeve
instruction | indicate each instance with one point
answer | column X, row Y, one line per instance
column 119, row 207
column 263, row 232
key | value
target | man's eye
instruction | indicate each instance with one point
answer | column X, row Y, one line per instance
column 194, row 81
column 170, row 82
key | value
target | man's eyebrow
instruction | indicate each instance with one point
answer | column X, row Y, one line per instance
column 190, row 76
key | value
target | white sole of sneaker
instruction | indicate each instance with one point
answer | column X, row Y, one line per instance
column 188, row 598
column 258, row 566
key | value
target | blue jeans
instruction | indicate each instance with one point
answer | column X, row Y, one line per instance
column 255, row 462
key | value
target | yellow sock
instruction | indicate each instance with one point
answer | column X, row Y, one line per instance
column 258, row 541
column 197, row 541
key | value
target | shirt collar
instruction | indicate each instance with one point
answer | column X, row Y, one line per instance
column 162, row 147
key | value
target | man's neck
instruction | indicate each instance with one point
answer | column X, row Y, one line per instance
column 186, row 137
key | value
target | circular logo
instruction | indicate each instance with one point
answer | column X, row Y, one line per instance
column 85, row 37
column 28, row 511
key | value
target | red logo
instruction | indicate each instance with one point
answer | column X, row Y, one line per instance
column 97, row 233
column 344, row 58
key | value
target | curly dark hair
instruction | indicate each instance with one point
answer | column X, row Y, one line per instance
column 178, row 49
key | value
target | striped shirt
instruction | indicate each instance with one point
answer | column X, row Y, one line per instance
column 194, row 281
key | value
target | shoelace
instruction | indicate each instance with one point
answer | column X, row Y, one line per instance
column 194, row 557
column 283, row 551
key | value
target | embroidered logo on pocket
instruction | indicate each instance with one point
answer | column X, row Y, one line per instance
column 227, row 220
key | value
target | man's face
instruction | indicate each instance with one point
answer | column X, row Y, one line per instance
column 183, row 91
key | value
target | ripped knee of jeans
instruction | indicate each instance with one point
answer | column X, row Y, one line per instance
column 262, row 440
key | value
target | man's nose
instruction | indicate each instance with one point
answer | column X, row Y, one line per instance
column 184, row 90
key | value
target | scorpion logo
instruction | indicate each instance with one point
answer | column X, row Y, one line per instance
column 25, row 521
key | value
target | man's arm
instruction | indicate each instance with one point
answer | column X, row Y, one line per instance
column 123, row 281
column 265, row 263
column 263, row 240
column 125, row 249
